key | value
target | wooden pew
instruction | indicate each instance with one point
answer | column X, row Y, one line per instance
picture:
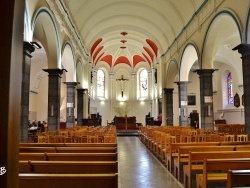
column 183, row 153
column 171, row 152
column 195, row 162
column 86, row 149
column 68, row 167
column 243, row 148
column 33, row 156
column 212, row 166
column 238, row 178
column 81, row 156
column 29, row 180
column 68, row 149
column 68, row 145
column 68, row 156
column 23, row 149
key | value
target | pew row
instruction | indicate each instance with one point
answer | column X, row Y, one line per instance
column 239, row 178
column 68, row 156
column 29, row 180
column 68, row 149
column 183, row 156
column 215, row 170
column 195, row 162
column 68, row 167
column 172, row 151
column 68, row 144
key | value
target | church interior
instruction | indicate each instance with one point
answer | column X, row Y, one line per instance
column 125, row 93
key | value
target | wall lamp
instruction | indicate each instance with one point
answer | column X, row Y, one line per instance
column 36, row 45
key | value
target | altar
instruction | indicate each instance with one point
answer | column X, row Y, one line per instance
column 125, row 123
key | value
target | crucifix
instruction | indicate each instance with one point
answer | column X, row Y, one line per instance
column 122, row 80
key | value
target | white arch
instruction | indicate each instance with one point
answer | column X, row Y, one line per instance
column 189, row 57
column 45, row 30
column 68, row 63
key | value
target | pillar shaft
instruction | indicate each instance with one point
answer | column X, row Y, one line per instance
column 25, row 93
column 54, row 98
column 206, row 98
column 70, row 106
column 169, row 105
column 244, row 50
column 183, row 116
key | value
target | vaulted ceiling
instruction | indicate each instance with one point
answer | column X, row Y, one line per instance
column 129, row 32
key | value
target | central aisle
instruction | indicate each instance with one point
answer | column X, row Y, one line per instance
column 138, row 168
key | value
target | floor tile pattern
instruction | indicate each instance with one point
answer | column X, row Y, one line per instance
column 138, row 168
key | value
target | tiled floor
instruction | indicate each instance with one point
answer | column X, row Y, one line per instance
column 138, row 168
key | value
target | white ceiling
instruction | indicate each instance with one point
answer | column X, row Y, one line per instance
column 151, row 27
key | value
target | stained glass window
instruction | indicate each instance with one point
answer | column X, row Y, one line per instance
column 143, row 83
column 100, row 83
column 230, row 89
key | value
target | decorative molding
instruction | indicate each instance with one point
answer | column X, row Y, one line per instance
column 194, row 25
column 66, row 25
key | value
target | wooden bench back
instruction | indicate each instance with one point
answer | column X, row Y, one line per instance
column 211, row 165
column 173, row 147
column 72, row 149
column 68, row 156
column 81, row 156
column 23, row 149
column 68, row 145
column 238, row 178
column 28, row 180
column 225, row 164
column 86, row 149
column 185, row 150
column 68, row 167
column 243, row 148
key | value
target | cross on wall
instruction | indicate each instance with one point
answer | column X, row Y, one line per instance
column 122, row 80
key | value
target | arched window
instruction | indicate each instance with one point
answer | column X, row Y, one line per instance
column 230, row 97
column 143, row 83
column 100, row 83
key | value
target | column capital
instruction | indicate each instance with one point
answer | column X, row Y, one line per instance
column 54, row 72
column 81, row 90
column 168, row 90
column 71, row 83
column 243, row 49
column 28, row 46
column 206, row 72
column 182, row 82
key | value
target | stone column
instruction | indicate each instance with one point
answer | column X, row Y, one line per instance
column 27, row 50
column 168, row 92
column 244, row 50
column 54, row 98
column 70, row 115
column 86, row 104
column 183, row 116
column 80, row 106
column 206, row 98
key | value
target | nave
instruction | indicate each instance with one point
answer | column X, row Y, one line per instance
column 138, row 167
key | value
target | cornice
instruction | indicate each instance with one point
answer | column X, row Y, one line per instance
column 67, row 26
column 193, row 26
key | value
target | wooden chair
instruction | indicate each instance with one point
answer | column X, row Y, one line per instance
column 110, row 139
column 229, row 138
column 242, row 137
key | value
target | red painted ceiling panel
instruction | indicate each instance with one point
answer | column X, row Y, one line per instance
column 122, row 59
column 97, row 52
column 149, row 52
column 153, row 46
column 95, row 45
column 137, row 59
column 107, row 59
